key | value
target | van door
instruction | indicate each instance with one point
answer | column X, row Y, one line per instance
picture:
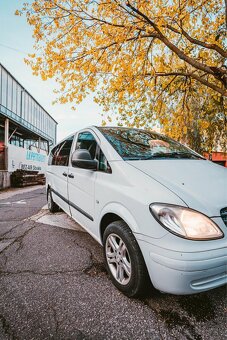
column 59, row 173
column 81, row 183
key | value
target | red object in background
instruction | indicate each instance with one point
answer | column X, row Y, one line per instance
column 2, row 146
column 2, row 156
column 217, row 157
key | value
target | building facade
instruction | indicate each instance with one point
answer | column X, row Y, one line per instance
column 27, row 131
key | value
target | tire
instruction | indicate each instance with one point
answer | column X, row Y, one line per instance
column 124, row 260
column 52, row 206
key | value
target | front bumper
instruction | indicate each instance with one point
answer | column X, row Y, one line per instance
column 188, row 272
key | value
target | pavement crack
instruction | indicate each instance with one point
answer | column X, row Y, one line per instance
column 56, row 322
column 2, row 238
column 18, row 239
column 95, row 268
column 5, row 259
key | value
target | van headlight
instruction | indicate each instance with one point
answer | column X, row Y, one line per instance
column 185, row 222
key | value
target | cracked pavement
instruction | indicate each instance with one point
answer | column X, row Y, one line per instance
column 53, row 285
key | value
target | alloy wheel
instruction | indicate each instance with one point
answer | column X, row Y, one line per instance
column 118, row 259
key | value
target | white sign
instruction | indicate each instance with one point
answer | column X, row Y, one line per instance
column 20, row 158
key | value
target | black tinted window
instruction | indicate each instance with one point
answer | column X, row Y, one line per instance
column 87, row 141
column 62, row 157
column 60, row 153
column 53, row 154
column 135, row 144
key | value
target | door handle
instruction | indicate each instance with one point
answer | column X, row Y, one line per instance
column 71, row 176
column 65, row 174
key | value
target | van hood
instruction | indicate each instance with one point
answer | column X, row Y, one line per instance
column 201, row 184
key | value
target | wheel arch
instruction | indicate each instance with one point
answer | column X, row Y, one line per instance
column 114, row 212
column 48, row 187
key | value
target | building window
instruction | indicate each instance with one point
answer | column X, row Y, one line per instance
column 14, row 97
column 19, row 96
column 9, row 93
column 4, row 87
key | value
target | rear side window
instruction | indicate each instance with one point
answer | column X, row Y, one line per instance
column 60, row 153
column 52, row 154
column 62, row 157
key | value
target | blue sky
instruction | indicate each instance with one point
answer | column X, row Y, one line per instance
column 15, row 43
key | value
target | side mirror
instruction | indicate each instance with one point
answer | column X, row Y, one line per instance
column 81, row 158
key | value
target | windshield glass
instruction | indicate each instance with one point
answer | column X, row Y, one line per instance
column 136, row 144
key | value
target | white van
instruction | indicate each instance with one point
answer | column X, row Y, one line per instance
column 158, row 208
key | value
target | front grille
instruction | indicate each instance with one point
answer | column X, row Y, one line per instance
column 224, row 215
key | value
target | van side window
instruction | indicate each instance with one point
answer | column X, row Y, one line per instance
column 87, row 141
column 53, row 153
column 51, row 156
column 62, row 157
column 59, row 155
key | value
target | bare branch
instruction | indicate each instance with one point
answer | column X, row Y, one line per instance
column 199, row 42
column 194, row 76
column 172, row 47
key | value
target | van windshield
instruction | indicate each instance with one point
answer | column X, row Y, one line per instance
column 138, row 144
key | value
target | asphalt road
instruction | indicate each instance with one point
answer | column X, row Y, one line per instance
column 53, row 285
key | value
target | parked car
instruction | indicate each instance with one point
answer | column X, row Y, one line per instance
column 158, row 208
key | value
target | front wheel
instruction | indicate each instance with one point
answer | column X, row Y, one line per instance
column 52, row 206
column 124, row 260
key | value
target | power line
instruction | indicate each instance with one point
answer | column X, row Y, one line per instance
column 14, row 49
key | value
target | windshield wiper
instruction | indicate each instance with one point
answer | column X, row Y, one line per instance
column 133, row 159
column 175, row 155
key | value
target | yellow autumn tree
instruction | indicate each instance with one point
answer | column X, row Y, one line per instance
column 149, row 62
